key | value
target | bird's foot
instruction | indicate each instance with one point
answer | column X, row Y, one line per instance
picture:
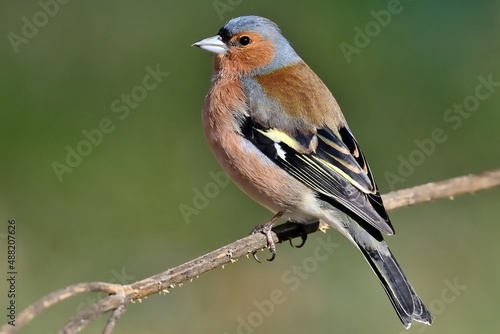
column 266, row 229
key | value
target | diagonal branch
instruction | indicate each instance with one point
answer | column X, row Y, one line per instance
column 443, row 189
column 121, row 295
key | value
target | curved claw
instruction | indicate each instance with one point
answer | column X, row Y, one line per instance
column 304, row 239
column 254, row 255
column 303, row 236
column 273, row 256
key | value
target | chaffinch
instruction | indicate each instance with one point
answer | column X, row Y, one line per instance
column 280, row 135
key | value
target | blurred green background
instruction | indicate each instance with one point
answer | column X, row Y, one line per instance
column 116, row 216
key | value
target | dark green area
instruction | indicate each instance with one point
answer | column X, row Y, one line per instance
column 119, row 209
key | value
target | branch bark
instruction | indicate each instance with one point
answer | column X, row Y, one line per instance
column 121, row 295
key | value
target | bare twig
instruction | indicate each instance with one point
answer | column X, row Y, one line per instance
column 110, row 325
column 121, row 295
column 443, row 189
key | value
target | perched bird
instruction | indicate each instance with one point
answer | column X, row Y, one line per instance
column 280, row 135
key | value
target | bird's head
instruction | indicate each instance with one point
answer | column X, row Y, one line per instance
column 249, row 45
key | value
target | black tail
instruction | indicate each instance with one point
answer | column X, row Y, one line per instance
column 369, row 240
column 407, row 304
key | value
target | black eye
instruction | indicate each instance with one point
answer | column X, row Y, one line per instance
column 245, row 40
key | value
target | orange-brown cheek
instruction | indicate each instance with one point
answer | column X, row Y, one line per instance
column 256, row 55
column 246, row 59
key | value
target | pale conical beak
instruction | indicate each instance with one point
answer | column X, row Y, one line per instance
column 212, row 44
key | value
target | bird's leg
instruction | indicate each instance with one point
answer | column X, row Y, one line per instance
column 303, row 236
column 266, row 229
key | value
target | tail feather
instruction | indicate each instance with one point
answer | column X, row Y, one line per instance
column 370, row 242
column 405, row 301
